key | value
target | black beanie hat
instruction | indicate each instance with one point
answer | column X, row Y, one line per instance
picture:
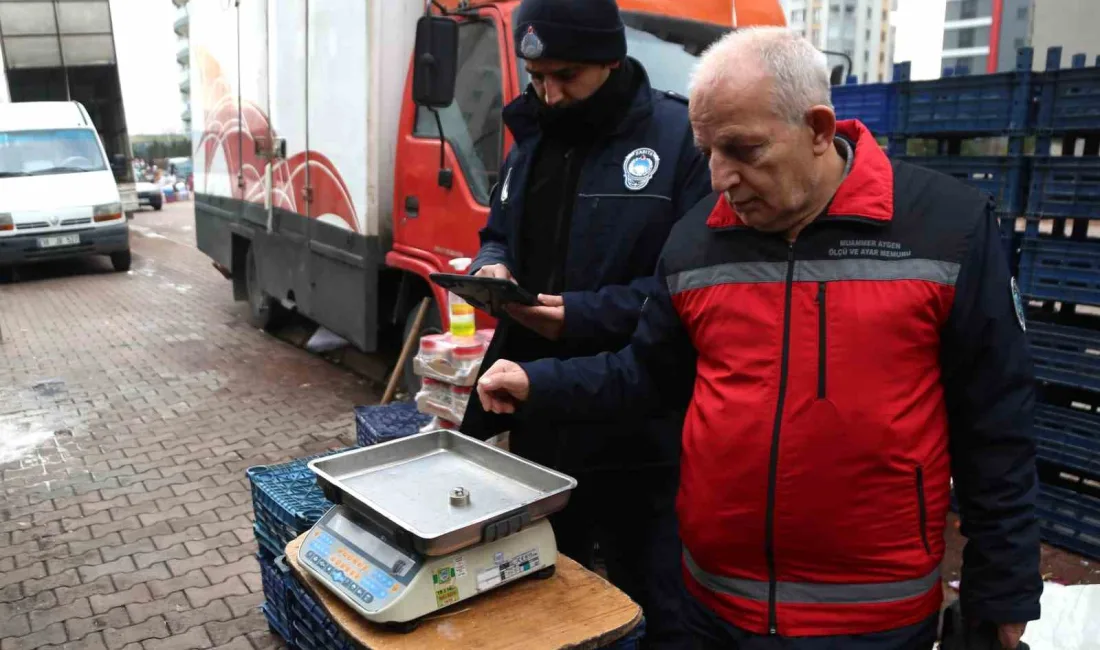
column 585, row 31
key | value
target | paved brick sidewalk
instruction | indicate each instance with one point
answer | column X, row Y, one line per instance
column 130, row 407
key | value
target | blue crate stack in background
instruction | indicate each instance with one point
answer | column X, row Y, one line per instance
column 1047, row 201
column 1060, row 275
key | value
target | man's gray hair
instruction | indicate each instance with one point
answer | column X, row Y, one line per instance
column 799, row 71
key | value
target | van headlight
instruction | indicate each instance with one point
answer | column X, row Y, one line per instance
column 107, row 212
column 6, row 222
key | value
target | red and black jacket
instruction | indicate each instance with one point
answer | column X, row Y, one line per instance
column 834, row 386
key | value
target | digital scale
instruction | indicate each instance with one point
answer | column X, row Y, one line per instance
column 424, row 522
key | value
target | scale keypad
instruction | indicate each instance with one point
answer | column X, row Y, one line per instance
column 372, row 586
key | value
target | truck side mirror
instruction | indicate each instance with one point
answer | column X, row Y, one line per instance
column 435, row 62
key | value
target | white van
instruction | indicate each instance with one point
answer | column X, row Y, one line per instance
column 58, row 196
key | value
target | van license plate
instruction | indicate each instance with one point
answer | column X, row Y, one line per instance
column 61, row 240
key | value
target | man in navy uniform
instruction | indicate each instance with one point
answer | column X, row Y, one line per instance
column 602, row 168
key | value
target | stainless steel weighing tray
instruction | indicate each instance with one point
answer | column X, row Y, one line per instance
column 404, row 487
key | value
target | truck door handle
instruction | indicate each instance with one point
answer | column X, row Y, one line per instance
column 412, row 206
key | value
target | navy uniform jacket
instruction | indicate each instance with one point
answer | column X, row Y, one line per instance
column 615, row 237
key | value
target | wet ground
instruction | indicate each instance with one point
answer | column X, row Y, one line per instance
column 130, row 406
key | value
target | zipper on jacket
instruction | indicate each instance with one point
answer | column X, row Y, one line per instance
column 560, row 226
column 923, row 514
column 769, row 529
column 821, row 341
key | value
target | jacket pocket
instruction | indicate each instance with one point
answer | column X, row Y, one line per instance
column 923, row 511
column 822, row 341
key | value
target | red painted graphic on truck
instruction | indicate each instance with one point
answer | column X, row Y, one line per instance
column 232, row 129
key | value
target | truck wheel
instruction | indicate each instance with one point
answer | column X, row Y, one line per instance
column 7, row 274
column 433, row 324
column 121, row 261
column 264, row 312
column 158, row 205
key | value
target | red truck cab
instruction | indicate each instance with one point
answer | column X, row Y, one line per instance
column 432, row 223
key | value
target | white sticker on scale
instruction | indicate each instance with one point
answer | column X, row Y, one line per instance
column 460, row 566
column 505, row 571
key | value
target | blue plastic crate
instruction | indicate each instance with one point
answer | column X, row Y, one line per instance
column 1002, row 177
column 377, row 424
column 1064, row 186
column 1065, row 355
column 872, row 104
column 278, row 627
column 1069, row 100
column 632, row 641
column 286, row 498
column 305, row 639
column 310, row 616
column 269, row 548
column 275, row 578
column 1069, row 437
column 988, row 104
column 1070, row 519
column 1060, row 269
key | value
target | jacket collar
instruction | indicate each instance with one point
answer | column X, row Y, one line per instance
column 520, row 115
column 866, row 194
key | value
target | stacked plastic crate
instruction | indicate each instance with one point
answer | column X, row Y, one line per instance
column 1050, row 219
column 287, row 502
column 960, row 108
column 1060, row 276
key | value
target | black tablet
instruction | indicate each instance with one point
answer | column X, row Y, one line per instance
column 487, row 294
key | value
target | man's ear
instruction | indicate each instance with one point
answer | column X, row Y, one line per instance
column 822, row 121
column 616, row 64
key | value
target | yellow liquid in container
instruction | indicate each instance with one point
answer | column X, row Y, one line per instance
column 462, row 318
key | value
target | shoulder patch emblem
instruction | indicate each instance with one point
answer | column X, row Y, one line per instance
column 639, row 167
column 1018, row 303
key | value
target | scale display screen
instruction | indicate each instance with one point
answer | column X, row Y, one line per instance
column 396, row 562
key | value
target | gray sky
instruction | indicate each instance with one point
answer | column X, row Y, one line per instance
column 146, row 45
column 919, row 36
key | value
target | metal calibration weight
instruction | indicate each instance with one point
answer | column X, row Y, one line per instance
column 460, row 496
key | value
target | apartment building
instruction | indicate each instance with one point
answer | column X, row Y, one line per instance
column 183, row 57
column 857, row 29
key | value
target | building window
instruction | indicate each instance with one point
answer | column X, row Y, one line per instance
column 1018, row 43
column 817, row 14
column 964, row 9
column 882, row 57
column 1021, row 13
column 973, row 64
column 966, row 37
column 869, row 13
column 867, row 36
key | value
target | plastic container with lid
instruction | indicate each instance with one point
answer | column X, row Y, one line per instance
column 460, row 397
column 435, row 391
column 460, row 312
column 434, row 347
column 466, row 356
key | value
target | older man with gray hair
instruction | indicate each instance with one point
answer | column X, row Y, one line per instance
column 847, row 337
